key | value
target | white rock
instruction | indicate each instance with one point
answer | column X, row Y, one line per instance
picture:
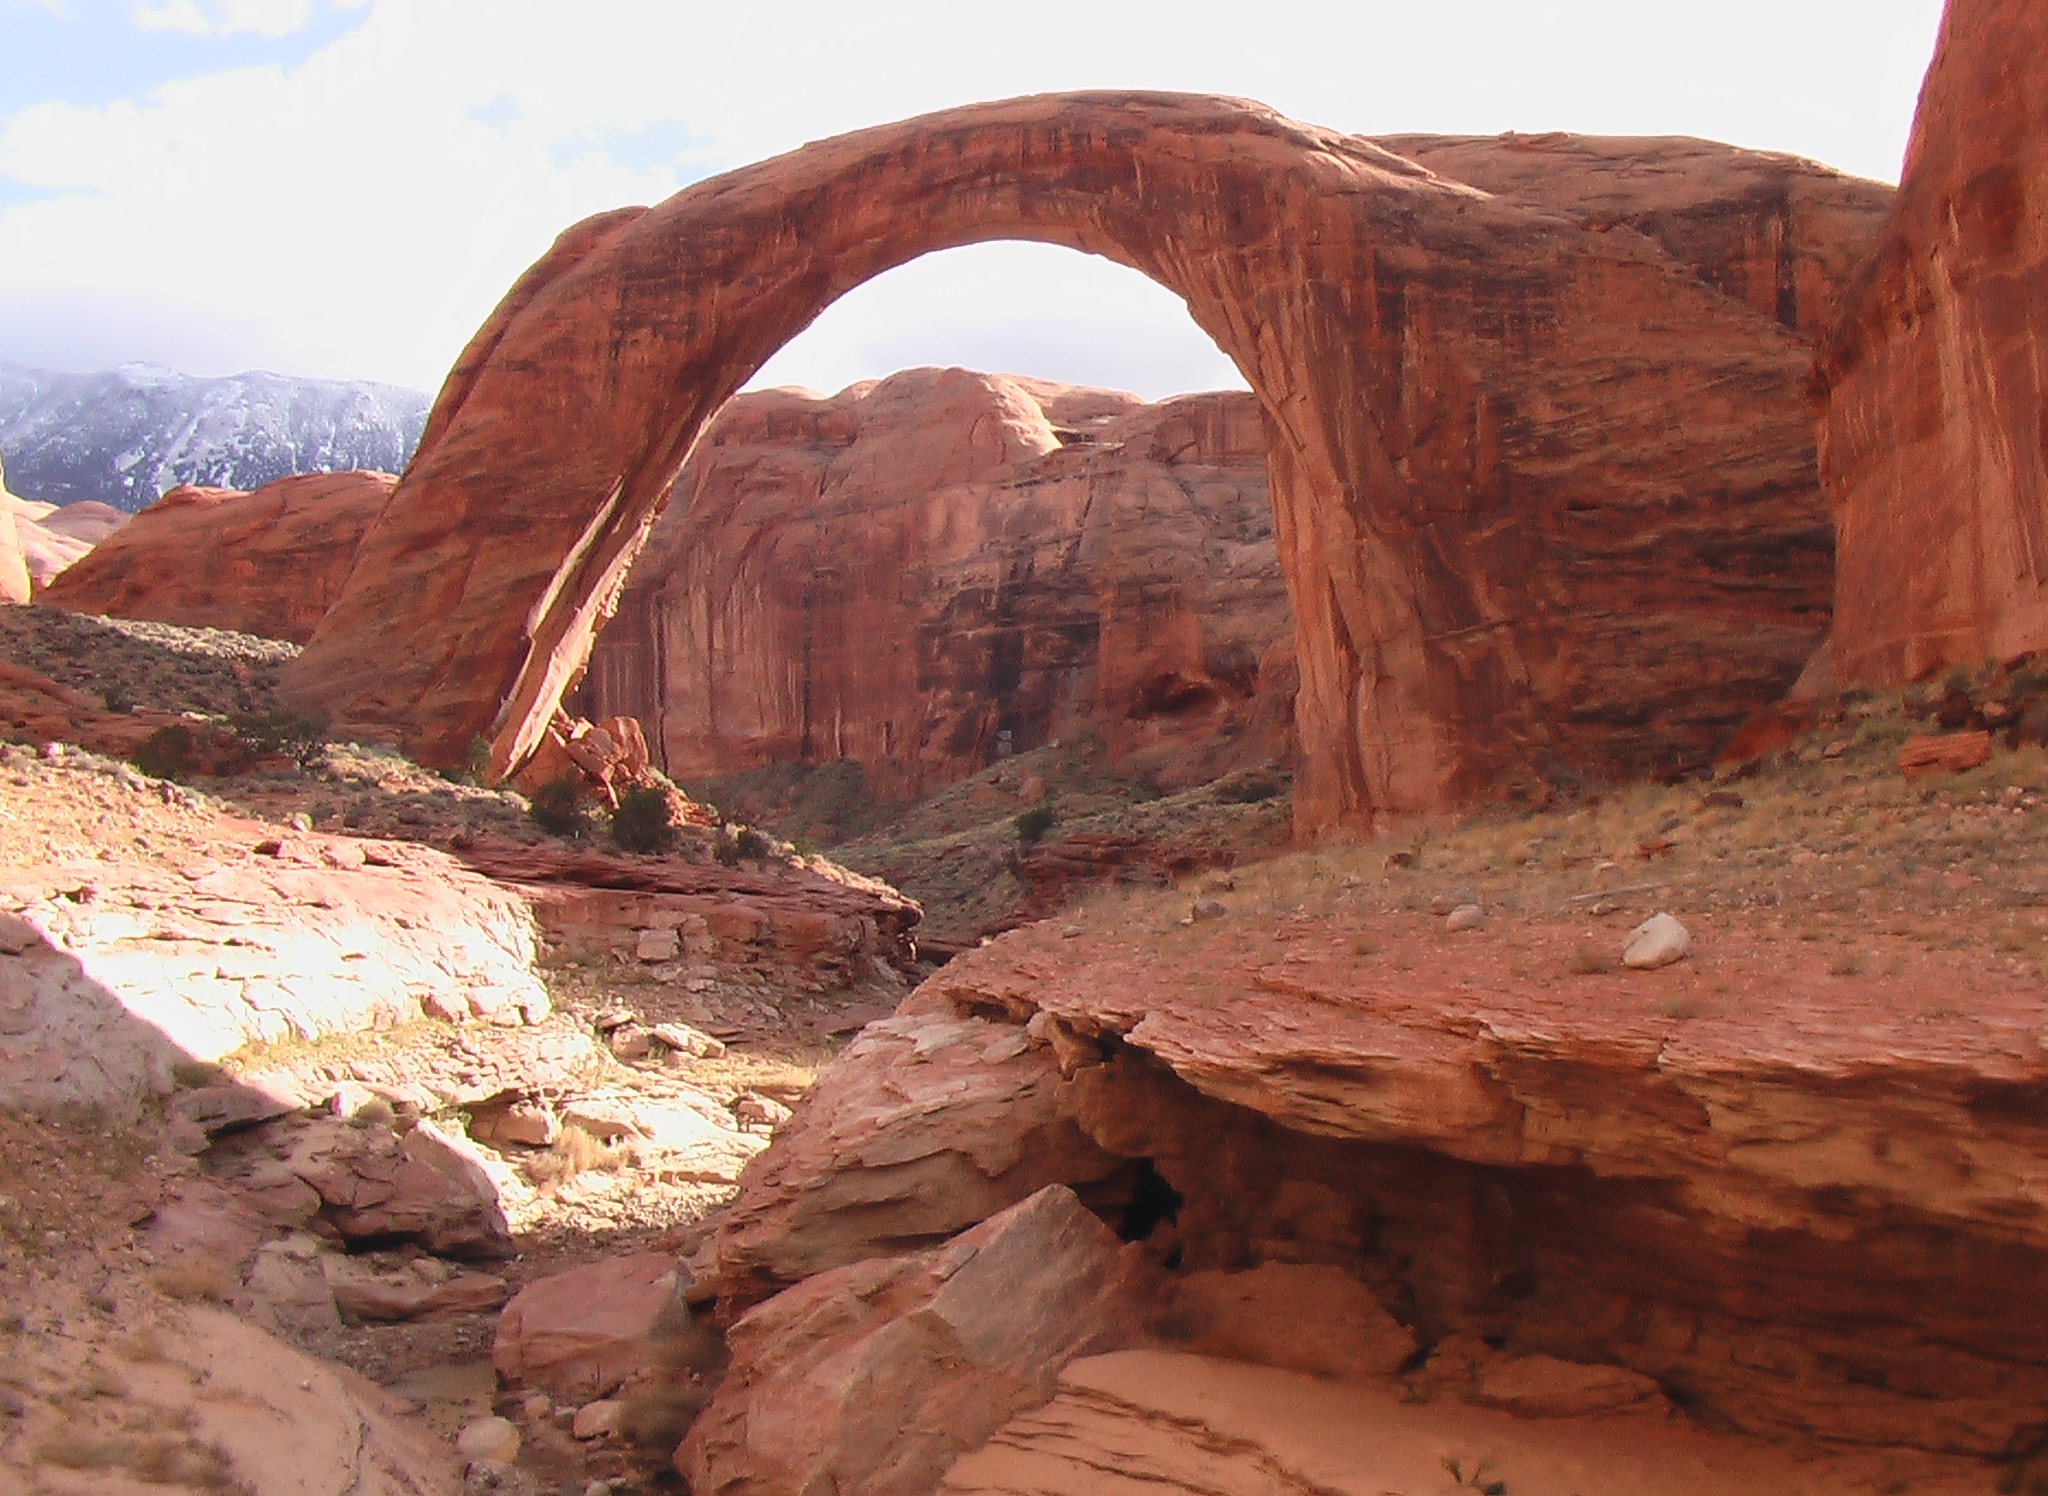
column 1657, row 941
column 594, row 1419
column 1465, row 917
column 495, row 1440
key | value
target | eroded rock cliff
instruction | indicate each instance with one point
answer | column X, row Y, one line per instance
column 922, row 573
column 269, row 562
column 1936, row 382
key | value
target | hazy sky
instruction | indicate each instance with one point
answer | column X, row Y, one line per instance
column 345, row 187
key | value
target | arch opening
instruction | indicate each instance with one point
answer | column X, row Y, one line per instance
column 937, row 568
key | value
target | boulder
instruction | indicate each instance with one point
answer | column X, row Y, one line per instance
column 1949, row 753
column 268, row 562
column 581, row 1333
column 924, row 1126
column 421, row 1288
column 871, row 1379
column 1658, row 941
column 1570, row 480
column 371, row 1186
column 1932, row 443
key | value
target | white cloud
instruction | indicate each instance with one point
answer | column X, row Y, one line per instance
column 271, row 18
column 360, row 214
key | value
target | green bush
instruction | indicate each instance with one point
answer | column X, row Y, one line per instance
column 170, row 752
column 1034, row 823
column 560, row 808
column 299, row 735
column 744, row 845
column 645, row 821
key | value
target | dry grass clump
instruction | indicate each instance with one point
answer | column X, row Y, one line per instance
column 192, row 1279
column 575, row 1153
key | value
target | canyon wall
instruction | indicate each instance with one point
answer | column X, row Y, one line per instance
column 923, row 572
column 1934, row 446
column 1527, row 469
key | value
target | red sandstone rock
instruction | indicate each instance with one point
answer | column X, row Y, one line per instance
column 1934, row 447
column 929, row 1125
column 1152, row 1421
column 580, row 1333
column 1497, row 550
column 1948, row 754
column 268, row 562
column 14, row 577
column 900, row 572
column 1780, row 233
column 871, row 1379
column 1304, row 1316
column 1550, row 1166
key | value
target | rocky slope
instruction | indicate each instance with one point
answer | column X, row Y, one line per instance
column 1506, row 563
column 123, row 436
column 1932, row 448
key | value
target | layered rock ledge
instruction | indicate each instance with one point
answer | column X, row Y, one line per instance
column 1811, row 1220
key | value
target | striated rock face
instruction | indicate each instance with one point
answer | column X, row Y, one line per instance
column 1502, row 557
column 1822, row 1225
column 268, row 562
column 1779, row 233
column 919, row 573
column 1932, row 447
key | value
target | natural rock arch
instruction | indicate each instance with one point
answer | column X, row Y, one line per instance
column 1483, row 417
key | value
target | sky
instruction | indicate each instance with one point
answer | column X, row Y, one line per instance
column 344, row 188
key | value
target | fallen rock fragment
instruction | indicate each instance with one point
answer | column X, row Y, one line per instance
column 1465, row 917
column 924, row 1126
column 684, row 1040
column 581, row 1333
column 750, row 1109
column 425, row 1288
column 1657, row 941
column 1951, row 753
column 876, row 1376
column 595, row 1419
column 492, row 1441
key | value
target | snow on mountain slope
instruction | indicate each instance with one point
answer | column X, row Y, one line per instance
column 123, row 436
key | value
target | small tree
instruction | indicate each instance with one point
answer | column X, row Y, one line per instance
column 1034, row 823
column 645, row 821
column 560, row 808
column 299, row 735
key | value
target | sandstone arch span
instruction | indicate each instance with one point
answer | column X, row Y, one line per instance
column 1508, row 447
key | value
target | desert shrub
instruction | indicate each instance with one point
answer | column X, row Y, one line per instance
column 299, row 735
column 475, row 766
column 171, row 752
column 1248, row 789
column 645, row 821
column 743, row 845
column 560, row 808
column 1032, row 824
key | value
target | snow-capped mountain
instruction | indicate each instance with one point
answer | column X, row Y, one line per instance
column 125, row 435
